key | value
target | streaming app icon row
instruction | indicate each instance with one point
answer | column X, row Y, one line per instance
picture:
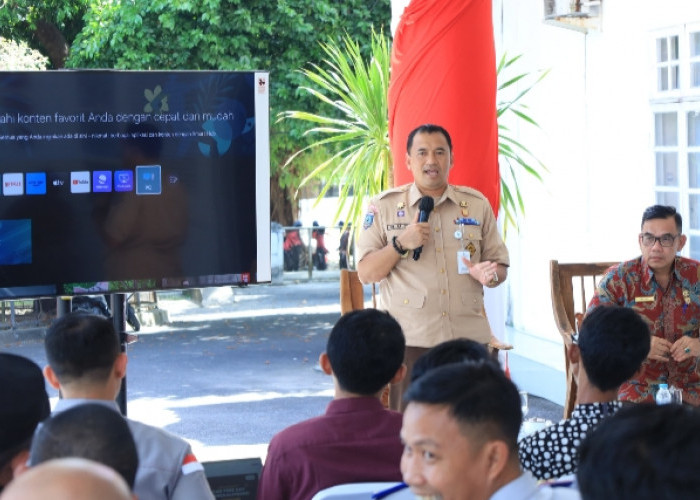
column 146, row 180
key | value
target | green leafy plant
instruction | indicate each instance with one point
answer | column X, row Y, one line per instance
column 356, row 131
column 514, row 156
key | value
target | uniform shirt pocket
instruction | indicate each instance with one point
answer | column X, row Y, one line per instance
column 409, row 299
column 473, row 302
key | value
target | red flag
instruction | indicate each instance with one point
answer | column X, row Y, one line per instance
column 443, row 71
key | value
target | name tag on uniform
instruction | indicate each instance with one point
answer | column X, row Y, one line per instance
column 394, row 227
column 461, row 265
column 644, row 298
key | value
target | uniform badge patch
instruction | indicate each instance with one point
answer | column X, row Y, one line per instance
column 369, row 217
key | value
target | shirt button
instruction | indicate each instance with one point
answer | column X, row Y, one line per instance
column 442, row 271
column 444, row 314
column 471, row 235
column 438, row 250
column 405, row 301
column 443, row 292
column 437, row 229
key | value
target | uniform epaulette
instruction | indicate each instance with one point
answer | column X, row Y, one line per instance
column 469, row 191
column 398, row 189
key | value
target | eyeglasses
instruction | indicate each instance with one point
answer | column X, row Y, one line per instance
column 574, row 338
column 665, row 240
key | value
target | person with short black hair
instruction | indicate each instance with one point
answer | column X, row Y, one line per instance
column 86, row 364
column 663, row 288
column 23, row 404
column 644, row 452
column 608, row 350
column 357, row 439
column 89, row 431
column 436, row 293
column 450, row 351
column 460, row 432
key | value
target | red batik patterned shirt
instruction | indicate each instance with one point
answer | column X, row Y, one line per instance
column 669, row 313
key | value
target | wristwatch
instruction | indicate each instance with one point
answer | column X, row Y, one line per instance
column 494, row 280
column 399, row 249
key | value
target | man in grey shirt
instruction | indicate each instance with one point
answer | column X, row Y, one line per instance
column 86, row 364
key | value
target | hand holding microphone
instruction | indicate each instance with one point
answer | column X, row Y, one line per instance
column 424, row 208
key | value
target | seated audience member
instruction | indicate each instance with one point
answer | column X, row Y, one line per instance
column 23, row 404
column 357, row 439
column 450, row 351
column 87, row 365
column 460, row 432
column 68, row 479
column 662, row 286
column 608, row 350
column 644, row 452
column 88, row 431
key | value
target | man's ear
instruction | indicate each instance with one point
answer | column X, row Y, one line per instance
column 682, row 239
column 51, row 377
column 19, row 463
column 120, row 365
column 325, row 363
column 497, row 455
column 400, row 374
column 573, row 353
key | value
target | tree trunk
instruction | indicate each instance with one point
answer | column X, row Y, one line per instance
column 282, row 209
column 54, row 43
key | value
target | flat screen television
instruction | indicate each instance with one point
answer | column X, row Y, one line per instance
column 116, row 181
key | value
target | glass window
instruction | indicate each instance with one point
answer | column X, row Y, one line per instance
column 694, row 170
column 668, row 198
column 695, row 247
column 695, row 59
column 667, row 63
column 666, row 126
column 694, row 210
column 666, row 169
column 693, row 118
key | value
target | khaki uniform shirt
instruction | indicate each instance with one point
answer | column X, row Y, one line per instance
column 428, row 297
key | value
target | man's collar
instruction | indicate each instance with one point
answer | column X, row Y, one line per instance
column 414, row 195
column 648, row 273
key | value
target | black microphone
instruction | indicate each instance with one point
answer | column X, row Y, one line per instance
column 425, row 207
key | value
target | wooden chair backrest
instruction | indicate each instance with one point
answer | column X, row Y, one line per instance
column 572, row 287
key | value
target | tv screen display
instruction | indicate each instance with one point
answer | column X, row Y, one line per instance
column 116, row 181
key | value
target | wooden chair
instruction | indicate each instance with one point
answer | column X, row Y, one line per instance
column 572, row 286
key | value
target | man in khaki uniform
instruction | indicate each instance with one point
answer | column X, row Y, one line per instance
column 440, row 296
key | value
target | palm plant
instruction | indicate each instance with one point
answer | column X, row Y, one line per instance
column 357, row 132
column 513, row 155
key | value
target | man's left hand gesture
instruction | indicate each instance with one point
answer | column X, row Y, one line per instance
column 685, row 348
column 483, row 272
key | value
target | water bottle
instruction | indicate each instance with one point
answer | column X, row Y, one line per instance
column 663, row 395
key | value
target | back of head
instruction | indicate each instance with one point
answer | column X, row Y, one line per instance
column 82, row 346
column 478, row 395
column 613, row 342
column 23, row 404
column 450, row 351
column 365, row 350
column 643, row 452
column 68, row 479
column 90, row 431
column 663, row 212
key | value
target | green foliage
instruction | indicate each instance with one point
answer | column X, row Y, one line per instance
column 280, row 36
column 20, row 19
column 514, row 157
column 357, row 130
column 357, row 89
column 19, row 56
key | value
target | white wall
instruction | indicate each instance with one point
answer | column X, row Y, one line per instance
column 595, row 120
